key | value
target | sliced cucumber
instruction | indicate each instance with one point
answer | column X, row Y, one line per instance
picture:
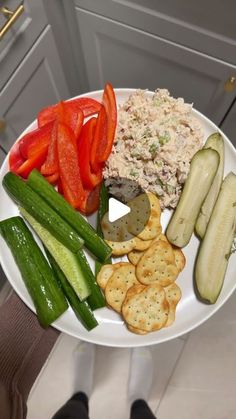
column 203, row 168
column 92, row 240
column 39, row 279
column 67, row 261
column 96, row 298
column 216, row 142
column 82, row 310
column 215, row 248
column 103, row 208
column 36, row 205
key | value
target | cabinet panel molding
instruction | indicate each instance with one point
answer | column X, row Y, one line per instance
column 158, row 18
column 132, row 58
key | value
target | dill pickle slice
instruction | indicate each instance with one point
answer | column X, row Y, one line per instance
column 203, row 168
column 215, row 248
column 216, row 142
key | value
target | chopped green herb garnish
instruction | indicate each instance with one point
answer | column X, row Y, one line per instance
column 157, row 102
column 153, row 148
column 135, row 153
column 163, row 139
column 133, row 173
column 159, row 182
column 170, row 189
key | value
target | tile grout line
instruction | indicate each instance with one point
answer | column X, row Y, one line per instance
column 171, row 375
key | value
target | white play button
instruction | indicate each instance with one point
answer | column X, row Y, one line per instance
column 116, row 210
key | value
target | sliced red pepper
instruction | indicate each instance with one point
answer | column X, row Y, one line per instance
column 15, row 158
column 51, row 164
column 100, row 136
column 91, row 202
column 89, row 179
column 47, row 115
column 106, row 127
column 88, row 106
column 34, row 139
column 74, row 119
column 34, row 162
column 60, row 112
column 109, row 102
column 73, row 190
column 52, row 178
column 34, row 145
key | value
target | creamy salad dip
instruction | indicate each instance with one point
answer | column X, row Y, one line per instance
column 157, row 136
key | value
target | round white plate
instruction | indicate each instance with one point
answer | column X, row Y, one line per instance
column 111, row 330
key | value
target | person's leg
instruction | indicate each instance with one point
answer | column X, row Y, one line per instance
column 77, row 406
column 140, row 382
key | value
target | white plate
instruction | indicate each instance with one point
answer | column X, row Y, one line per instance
column 111, row 330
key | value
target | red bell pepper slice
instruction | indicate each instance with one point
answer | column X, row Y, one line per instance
column 106, row 128
column 73, row 190
column 51, row 165
column 15, row 158
column 88, row 106
column 35, row 146
column 91, row 201
column 47, row 115
column 73, row 119
column 30, row 142
column 52, row 178
column 109, row 102
column 34, row 162
column 89, row 179
column 100, row 136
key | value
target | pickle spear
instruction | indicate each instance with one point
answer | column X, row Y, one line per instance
column 215, row 248
column 216, row 142
column 203, row 168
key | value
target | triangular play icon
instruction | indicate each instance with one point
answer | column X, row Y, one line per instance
column 116, row 210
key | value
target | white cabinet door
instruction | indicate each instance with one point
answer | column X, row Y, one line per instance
column 130, row 57
column 37, row 82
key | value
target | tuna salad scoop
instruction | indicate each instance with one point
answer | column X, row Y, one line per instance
column 157, row 136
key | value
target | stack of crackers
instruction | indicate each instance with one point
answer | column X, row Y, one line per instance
column 142, row 290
